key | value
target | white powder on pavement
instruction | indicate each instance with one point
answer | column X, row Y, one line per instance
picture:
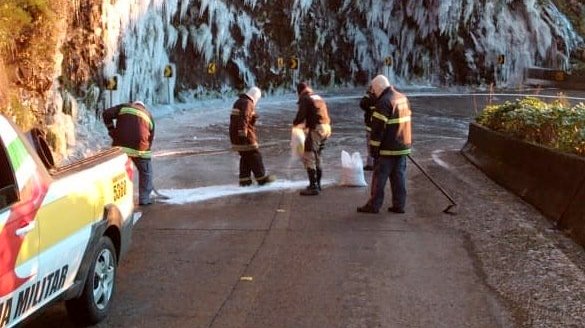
column 183, row 196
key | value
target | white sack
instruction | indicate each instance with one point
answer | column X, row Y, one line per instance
column 352, row 170
column 297, row 141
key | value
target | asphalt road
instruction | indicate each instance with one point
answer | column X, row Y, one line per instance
column 277, row 259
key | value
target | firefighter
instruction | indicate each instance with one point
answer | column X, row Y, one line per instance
column 390, row 143
column 244, row 139
column 368, row 104
column 313, row 115
column 133, row 131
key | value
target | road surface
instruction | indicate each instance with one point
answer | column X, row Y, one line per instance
column 277, row 259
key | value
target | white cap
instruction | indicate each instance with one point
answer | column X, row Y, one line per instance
column 379, row 84
column 255, row 94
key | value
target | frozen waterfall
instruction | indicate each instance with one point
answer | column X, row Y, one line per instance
column 336, row 41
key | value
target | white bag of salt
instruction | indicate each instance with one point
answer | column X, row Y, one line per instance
column 297, row 141
column 352, row 170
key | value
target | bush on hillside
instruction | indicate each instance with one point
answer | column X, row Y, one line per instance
column 28, row 40
column 22, row 115
column 556, row 124
column 19, row 17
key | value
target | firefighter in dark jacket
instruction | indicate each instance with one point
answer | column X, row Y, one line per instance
column 133, row 131
column 244, row 139
column 368, row 104
column 313, row 115
column 390, row 143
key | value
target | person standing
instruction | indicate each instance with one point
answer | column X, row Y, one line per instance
column 244, row 139
column 313, row 114
column 390, row 143
column 368, row 104
column 133, row 131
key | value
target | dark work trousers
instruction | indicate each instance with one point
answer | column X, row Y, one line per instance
column 251, row 162
column 144, row 166
column 393, row 168
column 370, row 159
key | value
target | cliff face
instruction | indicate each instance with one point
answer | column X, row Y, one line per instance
column 224, row 45
column 30, row 36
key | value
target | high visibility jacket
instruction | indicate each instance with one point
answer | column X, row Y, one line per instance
column 391, row 125
column 133, row 130
column 312, row 111
column 243, row 125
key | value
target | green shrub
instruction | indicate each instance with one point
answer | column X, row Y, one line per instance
column 13, row 20
column 17, row 18
column 28, row 34
column 556, row 124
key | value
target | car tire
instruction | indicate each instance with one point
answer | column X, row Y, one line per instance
column 94, row 303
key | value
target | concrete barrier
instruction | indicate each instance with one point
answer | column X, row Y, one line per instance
column 551, row 181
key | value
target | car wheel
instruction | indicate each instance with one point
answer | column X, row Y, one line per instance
column 94, row 303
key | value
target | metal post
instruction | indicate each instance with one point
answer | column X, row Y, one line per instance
column 169, row 89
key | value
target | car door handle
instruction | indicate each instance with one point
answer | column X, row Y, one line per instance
column 26, row 229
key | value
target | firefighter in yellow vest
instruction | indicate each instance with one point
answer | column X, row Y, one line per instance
column 390, row 142
column 244, row 139
column 314, row 116
column 133, row 131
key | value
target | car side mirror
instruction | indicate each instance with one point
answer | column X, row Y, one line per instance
column 37, row 137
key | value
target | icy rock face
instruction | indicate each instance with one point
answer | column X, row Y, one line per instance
column 223, row 44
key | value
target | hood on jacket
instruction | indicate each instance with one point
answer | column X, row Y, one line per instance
column 139, row 103
column 303, row 87
column 379, row 84
column 254, row 93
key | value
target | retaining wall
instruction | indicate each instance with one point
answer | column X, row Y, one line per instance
column 551, row 181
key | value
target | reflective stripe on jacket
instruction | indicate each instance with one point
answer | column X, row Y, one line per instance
column 391, row 124
column 133, row 131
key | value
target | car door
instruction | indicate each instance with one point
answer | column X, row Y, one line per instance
column 19, row 234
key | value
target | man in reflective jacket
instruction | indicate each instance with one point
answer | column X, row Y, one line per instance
column 313, row 115
column 390, row 143
column 244, row 139
column 133, row 131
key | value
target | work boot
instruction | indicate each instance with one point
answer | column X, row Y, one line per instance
column 396, row 209
column 245, row 182
column 367, row 209
column 318, row 174
column 311, row 190
column 266, row 179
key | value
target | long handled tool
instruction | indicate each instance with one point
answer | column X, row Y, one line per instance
column 158, row 195
column 449, row 208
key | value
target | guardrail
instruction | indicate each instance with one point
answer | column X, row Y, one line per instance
column 554, row 78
